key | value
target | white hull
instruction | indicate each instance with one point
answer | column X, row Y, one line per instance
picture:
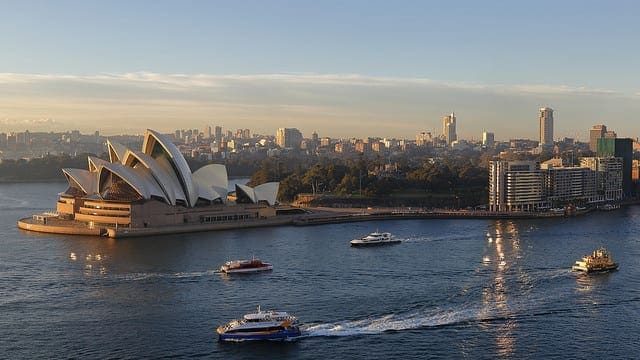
column 358, row 242
column 247, row 270
column 375, row 238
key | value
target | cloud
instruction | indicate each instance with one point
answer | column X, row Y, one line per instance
column 28, row 122
column 186, row 82
column 333, row 104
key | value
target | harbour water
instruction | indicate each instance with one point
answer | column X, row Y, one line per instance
column 451, row 289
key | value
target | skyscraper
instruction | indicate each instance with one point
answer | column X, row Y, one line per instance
column 449, row 128
column 218, row 132
column 488, row 139
column 546, row 127
column 288, row 138
column 596, row 132
column 622, row 148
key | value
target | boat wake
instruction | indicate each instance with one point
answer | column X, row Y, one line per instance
column 179, row 275
column 437, row 238
column 392, row 322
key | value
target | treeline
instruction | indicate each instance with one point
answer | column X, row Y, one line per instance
column 40, row 169
column 463, row 179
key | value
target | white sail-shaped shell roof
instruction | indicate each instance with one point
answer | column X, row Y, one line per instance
column 163, row 175
column 136, row 180
column 159, row 171
column 83, row 178
column 212, row 182
column 116, row 151
column 247, row 190
column 158, row 146
column 267, row 192
column 94, row 163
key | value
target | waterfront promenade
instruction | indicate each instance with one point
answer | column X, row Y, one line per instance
column 312, row 216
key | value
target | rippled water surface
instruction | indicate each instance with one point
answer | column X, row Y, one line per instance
column 451, row 289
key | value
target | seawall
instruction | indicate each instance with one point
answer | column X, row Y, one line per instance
column 318, row 216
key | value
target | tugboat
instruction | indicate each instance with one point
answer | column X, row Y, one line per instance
column 375, row 238
column 261, row 325
column 245, row 266
column 598, row 261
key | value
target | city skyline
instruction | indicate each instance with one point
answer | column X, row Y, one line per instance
column 338, row 69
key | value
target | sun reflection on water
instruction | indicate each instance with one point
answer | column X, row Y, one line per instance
column 503, row 245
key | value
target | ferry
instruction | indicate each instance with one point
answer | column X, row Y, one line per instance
column 598, row 261
column 261, row 325
column 245, row 266
column 375, row 238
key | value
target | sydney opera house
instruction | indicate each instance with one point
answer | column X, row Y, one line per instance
column 154, row 188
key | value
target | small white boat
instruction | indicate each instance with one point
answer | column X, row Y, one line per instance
column 375, row 238
column 261, row 325
column 245, row 266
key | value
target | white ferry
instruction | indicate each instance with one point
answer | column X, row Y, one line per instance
column 245, row 266
column 599, row 260
column 261, row 325
column 375, row 238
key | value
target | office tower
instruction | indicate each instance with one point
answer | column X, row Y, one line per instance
column 449, row 128
column 622, row 148
column 288, row 138
column 596, row 132
column 546, row 127
column 609, row 175
column 424, row 138
column 488, row 139
column 218, row 134
column 207, row 132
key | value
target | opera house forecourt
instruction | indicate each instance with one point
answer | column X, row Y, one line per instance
column 153, row 191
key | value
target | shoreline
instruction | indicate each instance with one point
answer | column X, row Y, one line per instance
column 318, row 216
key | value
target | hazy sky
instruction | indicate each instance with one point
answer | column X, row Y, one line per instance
column 341, row 68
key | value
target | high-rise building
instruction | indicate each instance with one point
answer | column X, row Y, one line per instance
column 424, row 138
column 609, row 179
column 515, row 186
column 622, row 148
column 488, row 139
column 288, row 138
column 573, row 183
column 528, row 186
column 610, row 134
column 449, row 128
column 218, row 132
column 3, row 141
column 546, row 127
column 596, row 132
